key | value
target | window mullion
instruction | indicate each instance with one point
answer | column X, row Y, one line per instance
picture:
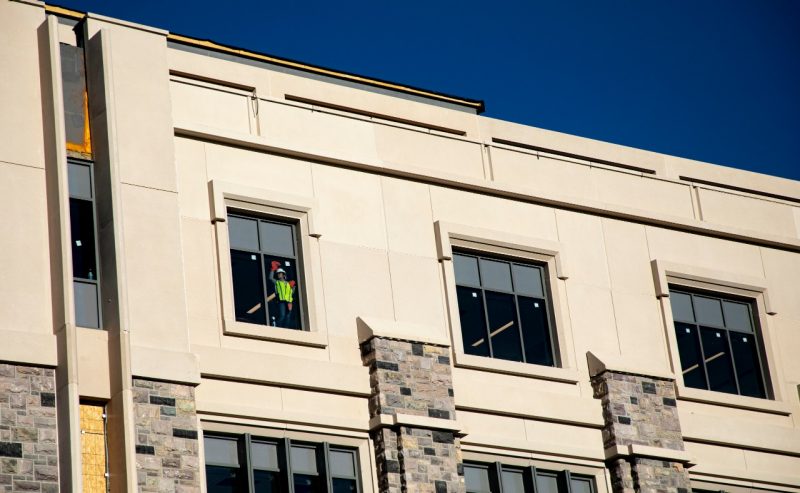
column 702, row 355
column 323, row 467
column 264, row 284
column 565, row 480
column 496, row 477
column 486, row 323
column 285, row 464
column 519, row 330
column 249, row 463
column 530, row 479
column 733, row 361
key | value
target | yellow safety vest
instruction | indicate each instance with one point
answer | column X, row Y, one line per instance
column 283, row 290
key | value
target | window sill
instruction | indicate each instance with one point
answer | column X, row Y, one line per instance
column 565, row 375
column 275, row 334
column 731, row 400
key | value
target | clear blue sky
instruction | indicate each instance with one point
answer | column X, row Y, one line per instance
column 717, row 81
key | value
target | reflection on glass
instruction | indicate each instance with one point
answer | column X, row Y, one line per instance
column 528, row 280
column 681, row 307
column 737, row 316
column 708, row 311
column 243, row 233
column 266, row 482
column 495, row 274
column 344, row 485
column 342, row 463
column 580, row 485
column 513, row 482
column 546, row 483
column 466, row 269
column 305, row 483
column 747, row 368
column 277, row 238
column 503, row 328
column 221, row 479
column 476, row 479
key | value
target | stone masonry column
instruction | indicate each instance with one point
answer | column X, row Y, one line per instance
column 642, row 433
column 166, row 437
column 412, row 414
column 28, row 429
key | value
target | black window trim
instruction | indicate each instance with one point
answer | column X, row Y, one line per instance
column 285, row 474
column 297, row 257
column 529, row 475
column 757, row 335
column 546, row 292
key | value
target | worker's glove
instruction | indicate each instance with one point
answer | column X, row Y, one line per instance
column 289, row 306
column 275, row 265
column 292, row 284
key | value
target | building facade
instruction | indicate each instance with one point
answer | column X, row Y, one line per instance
column 228, row 272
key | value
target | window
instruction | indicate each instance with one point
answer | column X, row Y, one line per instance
column 719, row 343
column 266, row 272
column 504, row 309
column 83, row 236
column 497, row 478
column 247, row 463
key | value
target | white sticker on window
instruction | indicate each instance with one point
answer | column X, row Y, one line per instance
column 474, row 295
column 719, row 335
column 252, row 257
column 688, row 331
column 78, row 242
column 744, row 339
column 536, row 305
column 288, row 264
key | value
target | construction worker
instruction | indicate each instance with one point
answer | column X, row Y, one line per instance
column 284, row 294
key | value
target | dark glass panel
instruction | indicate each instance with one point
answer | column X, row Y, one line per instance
column 266, row 482
column 495, row 274
column 737, row 316
column 283, row 294
column 277, row 238
column 221, row 479
column 535, row 331
column 513, row 481
column 466, row 269
column 681, row 307
column 243, row 233
column 708, row 311
column 528, row 280
column 81, row 218
column 476, row 479
column 503, row 326
column 747, row 368
column 248, row 287
column 305, row 483
column 694, row 374
column 546, row 483
column 473, row 321
column 341, row 485
column 718, row 360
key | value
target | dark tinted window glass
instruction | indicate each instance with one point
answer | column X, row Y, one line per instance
column 718, row 360
column 248, row 287
column 466, row 270
column 221, row 479
column 81, row 218
column 747, row 367
column 277, row 238
column 473, row 322
column 691, row 358
column 243, row 233
column 737, row 316
column 503, row 329
column 266, row 482
column 282, row 292
column 535, row 331
column 495, row 274
column 681, row 307
column 344, row 485
column 304, row 483
column 708, row 311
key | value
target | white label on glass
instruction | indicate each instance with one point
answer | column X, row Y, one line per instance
column 688, row 331
column 288, row 264
column 252, row 257
column 744, row 339
column 78, row 242
column 536, row 305
column 474, row 295
column 719, row 335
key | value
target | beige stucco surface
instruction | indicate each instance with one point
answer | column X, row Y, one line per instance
column 377, row 188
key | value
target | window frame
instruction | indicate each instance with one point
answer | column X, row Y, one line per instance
column 531, row 471
column 259, row 203
column 244, row 437
column 668, row 274
column 525, row 250
column 465, row 252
